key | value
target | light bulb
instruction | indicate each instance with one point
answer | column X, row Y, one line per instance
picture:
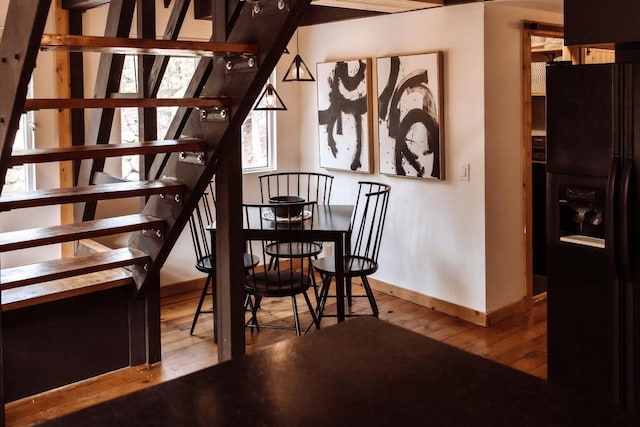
column 293, row 69
column 270, row 98
column 299, row 69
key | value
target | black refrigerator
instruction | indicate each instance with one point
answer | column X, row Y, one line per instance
column 593, row 188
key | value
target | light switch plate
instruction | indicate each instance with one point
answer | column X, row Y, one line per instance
column 464, row 172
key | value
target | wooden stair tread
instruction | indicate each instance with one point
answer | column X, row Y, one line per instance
column 96, row 151
column 120, row 102
column 40, row 293
column 21, row 239
column 14, row 277
column 26, row 199
column 134, row 46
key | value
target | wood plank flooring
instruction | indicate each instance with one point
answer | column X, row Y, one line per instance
column 519, row 341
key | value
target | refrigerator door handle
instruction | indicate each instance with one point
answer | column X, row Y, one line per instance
column 625, row 293
column 625, row 187
column 611, row 237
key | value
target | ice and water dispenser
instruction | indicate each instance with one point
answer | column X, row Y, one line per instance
column 581, row 215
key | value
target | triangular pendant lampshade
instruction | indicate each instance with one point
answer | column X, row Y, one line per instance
column 298, row 72
column 269, row 100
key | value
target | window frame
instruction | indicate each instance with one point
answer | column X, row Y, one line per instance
column 27, row 130
column 270, row 131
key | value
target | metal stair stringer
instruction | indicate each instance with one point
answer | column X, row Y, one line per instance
column 270, row 30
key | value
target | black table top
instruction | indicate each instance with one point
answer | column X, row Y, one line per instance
column 328, row 222
column 363, row 372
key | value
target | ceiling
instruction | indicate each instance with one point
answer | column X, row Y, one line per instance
column 546, row 5
column 385, row 6
column 337, row 10
column 392, row 6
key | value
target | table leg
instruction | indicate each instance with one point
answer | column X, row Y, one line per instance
column 339, row 260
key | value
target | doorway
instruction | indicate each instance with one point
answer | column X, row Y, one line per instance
column 541, row 44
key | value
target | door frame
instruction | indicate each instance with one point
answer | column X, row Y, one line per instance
column 529, row 29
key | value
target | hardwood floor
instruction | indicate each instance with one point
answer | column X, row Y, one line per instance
column 519, row 342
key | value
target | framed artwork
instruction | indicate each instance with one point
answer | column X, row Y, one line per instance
column 344, row 115
column 410, row 122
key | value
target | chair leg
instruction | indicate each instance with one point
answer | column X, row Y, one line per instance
column 253, row 321
column 372, row 299
column 324, row 292
column 313, row 279
column 312, row 311
column 349, row 291
column 202, row 297
column 296, row 319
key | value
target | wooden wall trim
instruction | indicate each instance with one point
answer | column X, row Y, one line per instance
column 451, row 309
column 63, row 90
column 448, row 308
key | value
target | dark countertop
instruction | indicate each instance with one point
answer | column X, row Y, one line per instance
column 363, row 372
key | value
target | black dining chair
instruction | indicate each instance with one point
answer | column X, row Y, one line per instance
column 313, row 187
column 367, row 224
column 202, row 226
column 286, row 278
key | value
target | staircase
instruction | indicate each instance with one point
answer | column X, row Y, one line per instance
column 98, row 309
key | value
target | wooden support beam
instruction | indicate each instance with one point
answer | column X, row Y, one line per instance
column 76, row 70
column 147, row 117
column 229, row 298
column 144, row 326
column 63, row 90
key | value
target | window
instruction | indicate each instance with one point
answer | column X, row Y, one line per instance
column 21, row 178
column 257, row 130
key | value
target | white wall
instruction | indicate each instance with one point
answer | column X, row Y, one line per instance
column 504, row 151
column 458, row 241
column 434, row 239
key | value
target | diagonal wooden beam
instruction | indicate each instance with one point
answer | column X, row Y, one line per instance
column 147, row 117
column 180, row 119
column 171, row 32
column 23, row 30
column 119, row 20
column 24, row 25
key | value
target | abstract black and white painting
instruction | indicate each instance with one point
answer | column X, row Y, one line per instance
column 410, row 127
column 344, row 117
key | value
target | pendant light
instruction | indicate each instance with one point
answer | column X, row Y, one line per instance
column 269, row 100
column 298, row 70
